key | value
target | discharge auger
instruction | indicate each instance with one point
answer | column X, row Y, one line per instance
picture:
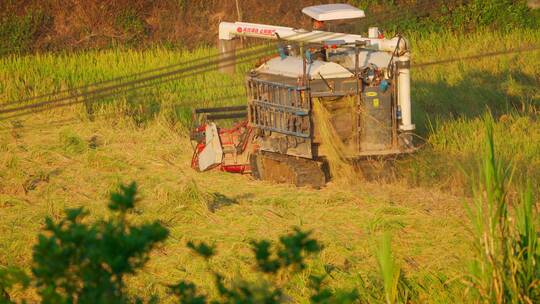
column 361, row 83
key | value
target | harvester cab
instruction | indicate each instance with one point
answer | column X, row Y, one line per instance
column 323, row 93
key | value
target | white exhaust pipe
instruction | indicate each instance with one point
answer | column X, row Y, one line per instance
column 227, row 56
column 404, row 95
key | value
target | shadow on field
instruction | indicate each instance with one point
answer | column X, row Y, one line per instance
column 450, row 112
column 471, row 95
column 219, row 201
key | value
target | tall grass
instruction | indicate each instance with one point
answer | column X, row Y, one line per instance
column 450, row 102
column 506, row 267
column 396, row 287
column 30, row 76
column 389, row 270
column 454, row 148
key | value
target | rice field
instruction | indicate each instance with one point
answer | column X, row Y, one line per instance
column 141, row 136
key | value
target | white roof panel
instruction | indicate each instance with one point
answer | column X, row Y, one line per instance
column 328, row 12
column 294, row 67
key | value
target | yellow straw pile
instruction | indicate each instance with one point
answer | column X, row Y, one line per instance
column 335, row 151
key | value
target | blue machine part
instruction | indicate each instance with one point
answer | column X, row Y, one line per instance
column 282, row 53
column 384, row 85
column 308, row 56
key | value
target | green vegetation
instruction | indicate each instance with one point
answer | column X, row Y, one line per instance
column 37, row 25
column 132, row 26
column 18, row 34
column 78, row 262
column 426, row 17
column 450, row 102
column 506, row 268
column 390, row 271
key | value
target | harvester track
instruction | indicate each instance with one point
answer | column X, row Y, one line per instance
column 282, row 168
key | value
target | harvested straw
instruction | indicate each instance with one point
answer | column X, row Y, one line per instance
column 332, row 147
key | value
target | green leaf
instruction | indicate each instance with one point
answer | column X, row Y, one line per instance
column 202, row 249
column 125, row 199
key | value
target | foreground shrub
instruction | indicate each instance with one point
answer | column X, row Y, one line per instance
column 76, row 261
column 87, row 263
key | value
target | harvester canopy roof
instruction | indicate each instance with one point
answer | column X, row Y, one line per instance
column 294, row 67
column 329, row 12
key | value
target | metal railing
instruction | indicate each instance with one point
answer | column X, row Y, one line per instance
column 279, row 107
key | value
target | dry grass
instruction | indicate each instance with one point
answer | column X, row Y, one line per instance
column 427, row 225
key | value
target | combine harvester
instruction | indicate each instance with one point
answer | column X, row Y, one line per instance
column 362, row 84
